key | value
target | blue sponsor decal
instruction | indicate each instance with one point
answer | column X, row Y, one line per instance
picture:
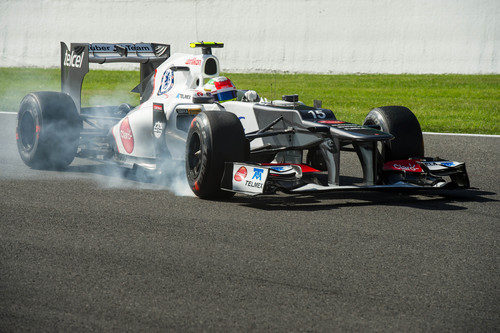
column 183, row 96
column 448, row 164
column 257, row 173
column 240, row 118
column 167, row 82
column 278, row 168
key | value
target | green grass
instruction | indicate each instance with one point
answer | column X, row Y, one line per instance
column 442, row 103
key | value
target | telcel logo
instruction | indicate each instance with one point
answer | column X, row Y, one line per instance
column 72, row 59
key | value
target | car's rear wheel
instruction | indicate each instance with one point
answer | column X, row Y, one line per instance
column 214, row 137
column 403, row 125
column 48, row 130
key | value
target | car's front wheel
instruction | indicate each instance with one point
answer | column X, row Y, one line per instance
column 403, row 125
column 214, row 138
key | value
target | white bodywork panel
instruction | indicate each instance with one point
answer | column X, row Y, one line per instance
column 171, row 89
column 246, row 115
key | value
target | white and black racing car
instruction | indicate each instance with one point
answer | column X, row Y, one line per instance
column 246, row 145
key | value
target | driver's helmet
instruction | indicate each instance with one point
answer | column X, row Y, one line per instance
column 221, row 88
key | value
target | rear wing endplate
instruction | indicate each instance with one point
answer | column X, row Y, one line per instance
column 75, row 61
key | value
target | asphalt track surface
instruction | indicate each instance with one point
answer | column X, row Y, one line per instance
column 81, row 251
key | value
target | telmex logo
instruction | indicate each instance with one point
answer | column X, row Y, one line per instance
column 257, row 173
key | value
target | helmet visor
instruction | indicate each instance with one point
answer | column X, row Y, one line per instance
column 226, row 96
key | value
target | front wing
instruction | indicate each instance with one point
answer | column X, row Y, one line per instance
column 427, row 173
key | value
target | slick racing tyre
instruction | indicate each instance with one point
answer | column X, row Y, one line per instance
column 215, row 137
column 403, row 125
column 48, row 130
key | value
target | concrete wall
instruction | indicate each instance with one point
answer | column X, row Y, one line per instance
column 319, row 36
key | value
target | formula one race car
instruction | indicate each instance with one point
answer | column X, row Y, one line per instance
column 247, row 145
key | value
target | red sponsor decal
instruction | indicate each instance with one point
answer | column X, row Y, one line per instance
column 196, row 186
column 223, row 84
column 199, row 93
column 331, row 122
column 403, row 165
column 241, row 174
column 127, row 136
column 193, row 61
column 158, row 107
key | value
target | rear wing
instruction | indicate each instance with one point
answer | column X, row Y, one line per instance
column 75, row 61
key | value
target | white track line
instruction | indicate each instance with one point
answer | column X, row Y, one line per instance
column 430, row 133
column 464, row 134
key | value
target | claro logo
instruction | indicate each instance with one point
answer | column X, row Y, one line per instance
column 409, row 167
column 127, row 136
column 72, row 59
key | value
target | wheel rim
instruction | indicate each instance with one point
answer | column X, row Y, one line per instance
column 194, row 155
column 380, row 146
column 27, row 130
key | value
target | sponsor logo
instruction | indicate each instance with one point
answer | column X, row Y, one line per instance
column 250, row 183
column 193, row 61
column 241, row 118
column 183, row 96
column 409, row 167
column 158, row 129
column 137, row 47
column 72, row 59
column 249, row 179
column 109, row 48
column 403, row 165
column 101, row 48
column 240, row 174
column 167, row 82
column 439, row 165
column 127, row 136
column 158, row 107
column 194, row 111
column 257, row 174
